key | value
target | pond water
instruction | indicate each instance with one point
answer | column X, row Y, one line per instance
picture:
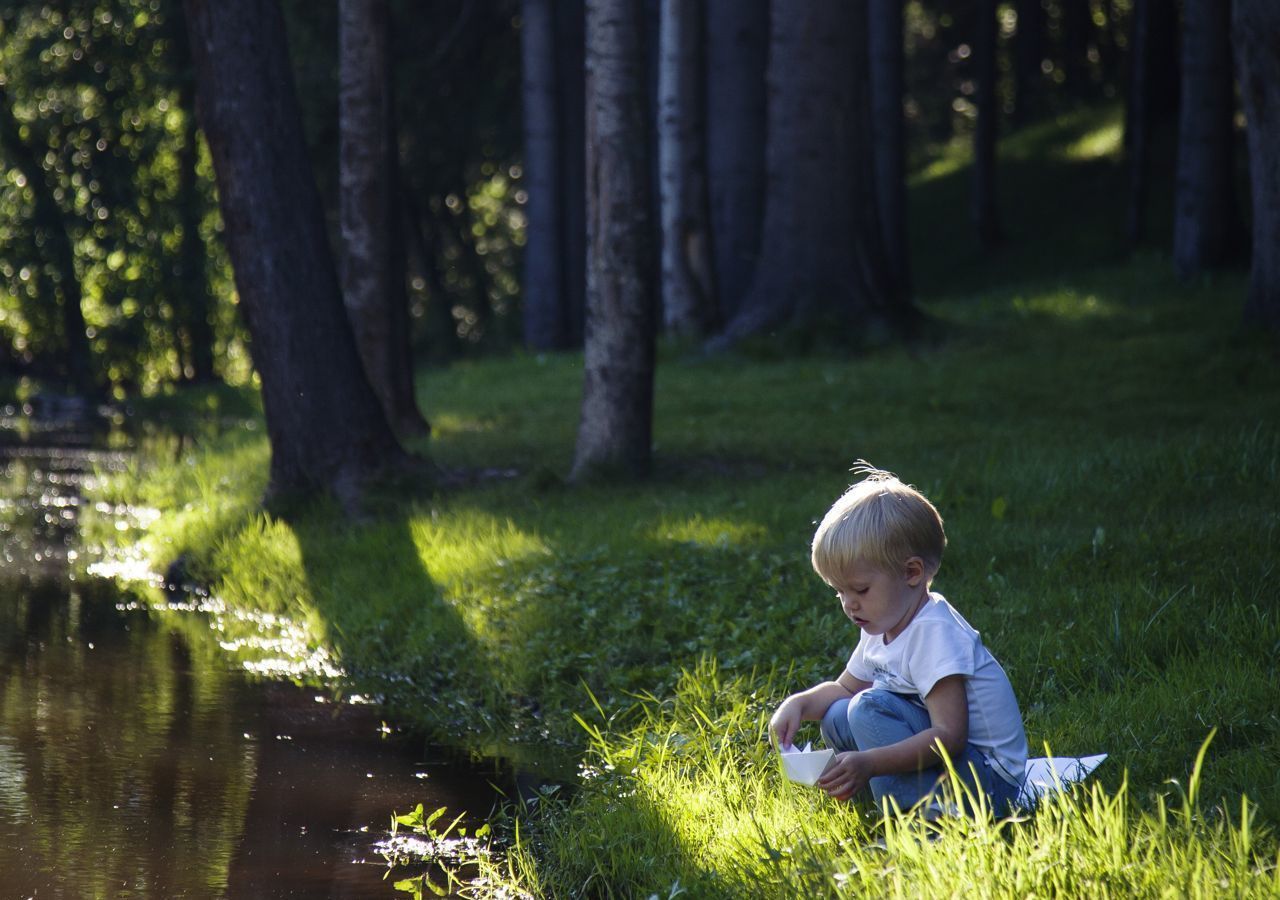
column 137, row 759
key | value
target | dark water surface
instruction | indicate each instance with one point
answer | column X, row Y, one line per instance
column 138, row 760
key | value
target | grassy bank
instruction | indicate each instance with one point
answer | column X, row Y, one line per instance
column 1103, row 446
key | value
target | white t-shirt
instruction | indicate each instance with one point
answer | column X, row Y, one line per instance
column 938, row 642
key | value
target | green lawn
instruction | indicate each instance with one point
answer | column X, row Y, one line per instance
column 1100, row 439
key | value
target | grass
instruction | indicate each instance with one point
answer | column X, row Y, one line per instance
column 1101, row 440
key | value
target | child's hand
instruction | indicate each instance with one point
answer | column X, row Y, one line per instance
column 786, row 721
column 848, row 773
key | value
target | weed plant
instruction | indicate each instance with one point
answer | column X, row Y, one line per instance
column 1103, row 445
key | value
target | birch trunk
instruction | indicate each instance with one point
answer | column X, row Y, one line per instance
column 617, row 402
column 1256, row 26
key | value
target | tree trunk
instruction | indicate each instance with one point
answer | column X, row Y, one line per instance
column 688, row 293
column 545, row 324
column 1077, row 29
column 617, row 401
column 887, row 75
column 51, row 225
column 193, row 276
column 554, row 289
column 1256, row 25
column 1028, row 49
column 570, row 56
column 327, row 429
column 984, row 208
column 372, row 260
column 737, row 51
column 822, row 263
column 193, row 304
column 1152, row 99
column 1205, row 223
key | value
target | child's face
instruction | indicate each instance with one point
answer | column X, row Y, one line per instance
column 881, row 602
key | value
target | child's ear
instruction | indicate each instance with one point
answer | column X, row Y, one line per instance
column 915, row 571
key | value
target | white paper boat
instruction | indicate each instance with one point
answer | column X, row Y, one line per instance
column 805, row 766
column 1049, row 775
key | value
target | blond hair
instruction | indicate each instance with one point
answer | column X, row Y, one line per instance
column 881, row 522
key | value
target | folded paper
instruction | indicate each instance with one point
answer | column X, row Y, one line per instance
column 1044, row 777
column 805, row 766
column 1049, row 775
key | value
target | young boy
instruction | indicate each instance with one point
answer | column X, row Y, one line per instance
column 920, row 675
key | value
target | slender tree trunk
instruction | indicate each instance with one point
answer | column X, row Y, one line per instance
column 193, row 276
column 1077, row 28
column 688, row 292
column 737, row 51
column 1151, row 100
column 194, row 303
column 424, row 232
column 50, row 223
column 1205, row 213
column 617, row 402
column 544, row 278
column 888, row 145
column 984, row 207
column 1256, row 26
column 822, row 264
column 372, row 261
column 405, row 416
column 571, row 61
column 1138, row 119
column 327, row 429
column 1028, row 56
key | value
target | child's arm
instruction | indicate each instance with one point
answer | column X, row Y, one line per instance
column 811, row 705
column 949, row 724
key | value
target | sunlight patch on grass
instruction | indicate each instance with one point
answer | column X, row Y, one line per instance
column 1103, row 142
column 458, row 545
column 710, row 532
column 1066, row 305
column 445, row 424
column 950, row 158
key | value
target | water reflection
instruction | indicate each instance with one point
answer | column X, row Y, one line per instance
column 137, row 761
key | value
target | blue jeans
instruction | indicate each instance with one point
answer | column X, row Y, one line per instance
column 877, row 718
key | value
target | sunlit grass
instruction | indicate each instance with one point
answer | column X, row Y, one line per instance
column 688, row 797
column 710, row 532
column 1077, row 136
column 1102, row 142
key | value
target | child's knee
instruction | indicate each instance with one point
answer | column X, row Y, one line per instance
column 870, row 712
column 835, row 726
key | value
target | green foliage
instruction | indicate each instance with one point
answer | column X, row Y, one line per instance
column 98, row 89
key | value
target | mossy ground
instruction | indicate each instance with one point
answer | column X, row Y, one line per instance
column 1101, row 439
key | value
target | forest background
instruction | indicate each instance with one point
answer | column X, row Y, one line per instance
column 997, row 222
